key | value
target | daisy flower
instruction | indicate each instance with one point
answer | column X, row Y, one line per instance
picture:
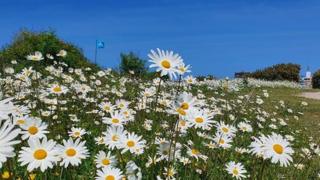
column 186, row 101
column 112, row 136
column 106, row 107
column 62, row 53
column 190, row 80
column 116, row 119
column 236, row 170
column 256, row 147
column 200, row 119
column 182, row 68
column 72, row 152
column 57, row 89
column 36, row 56
column 193, row 152
column 245, row 127
column 77, row 132
column 34, row 128
column 278, row 149
column 39, row 154
column 6, row 108
column 109, row 173
column 165, row 62
column 122, row 104
column 222, row 140
column 133, row 143
column 225, row 129
column 105, row 160
column 7, row 136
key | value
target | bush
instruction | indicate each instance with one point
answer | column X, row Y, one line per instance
column 316, row 80
column 46, row 42
column 279, row 72
column 131, row 62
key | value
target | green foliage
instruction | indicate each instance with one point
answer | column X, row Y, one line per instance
column 289, row 72
column 46, row 42
column 316, row 80
column 131, row 62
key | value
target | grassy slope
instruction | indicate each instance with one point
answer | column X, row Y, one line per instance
column 311, row 118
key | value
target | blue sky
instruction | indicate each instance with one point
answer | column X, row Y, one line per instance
column 216, row 37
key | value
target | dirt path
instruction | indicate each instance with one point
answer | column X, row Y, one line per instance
column 311, row 95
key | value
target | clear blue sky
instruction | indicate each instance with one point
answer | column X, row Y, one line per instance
column 216, row 37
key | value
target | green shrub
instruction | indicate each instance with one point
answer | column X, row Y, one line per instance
column 131, row 62
column 316, row 80
column 289, row 72
column 46, row 42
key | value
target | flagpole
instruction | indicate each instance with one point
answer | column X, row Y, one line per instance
column 95, row 54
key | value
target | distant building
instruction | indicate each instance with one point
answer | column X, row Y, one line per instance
column 307, row 80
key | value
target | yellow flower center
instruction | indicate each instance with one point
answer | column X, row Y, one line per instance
column 166, row 64
column 106, row 108
column 115, row 138
column 185, row 106
column 77, row 134
column 40, row 154
column 181, row 112
column 71, row 152
column 195, row 151
column 33, row 130
column 21, row 121
column 221, row 141
column 5, row 175
column 225, row 130
column 130, row 143
column 106, row 162
column 110, row 177
column 57, row 89
column 235, row 171
column 199, row 120
column 182, row 123
column 182, row 69
column 278, row 148
column 115, row 121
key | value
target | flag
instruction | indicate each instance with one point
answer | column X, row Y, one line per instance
column 100, row 44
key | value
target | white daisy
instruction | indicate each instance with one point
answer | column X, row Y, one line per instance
column 278, row 149
column 199, row 118
column 105, row 160
column 39, row 154
column 166, row 62
column 36, row 56
column 34, row 128
column 225, row 129
column 236, row 170
column 106, row 107
column 62, row 53
column 72, row 152
column 77, row 132
column 116, row 119
column 57, row 89
column 112, row 136
column 7, row 136
column 6, row 108
column 109, row 173
column 133, row 143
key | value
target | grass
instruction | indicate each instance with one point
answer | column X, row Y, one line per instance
column 310, row 121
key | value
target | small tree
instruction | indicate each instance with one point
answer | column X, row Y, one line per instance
column 131, row 62
column 316, row 80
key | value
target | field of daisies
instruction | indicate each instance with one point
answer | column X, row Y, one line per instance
column 67, row 123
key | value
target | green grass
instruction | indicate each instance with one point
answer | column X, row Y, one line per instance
column 310, row 121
